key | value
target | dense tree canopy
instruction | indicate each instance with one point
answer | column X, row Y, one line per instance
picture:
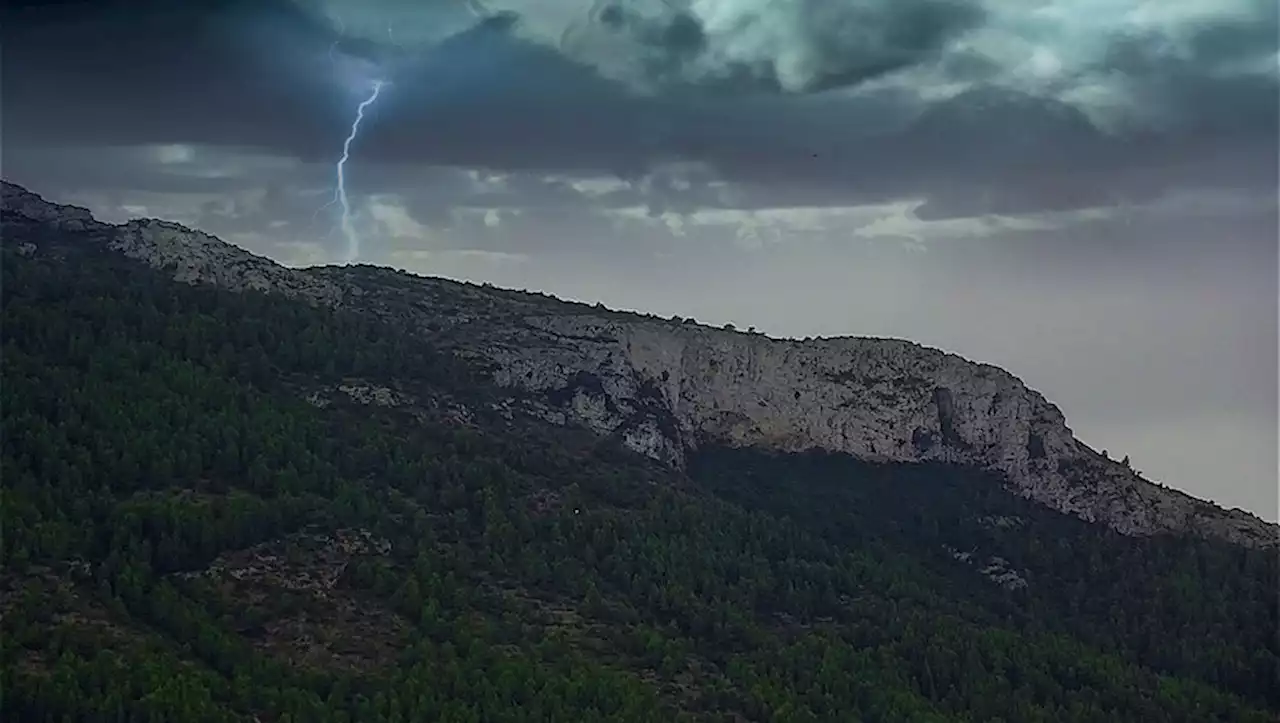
column 197, row 527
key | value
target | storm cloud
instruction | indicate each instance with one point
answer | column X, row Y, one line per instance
column 916, row 91
column 756, row 45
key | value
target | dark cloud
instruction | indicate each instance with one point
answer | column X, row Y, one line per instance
column 804, row 46
column 1219, row 75
column 149, row 71
column 235, row 73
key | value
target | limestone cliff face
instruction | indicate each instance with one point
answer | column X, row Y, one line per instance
column 879, row 399
column 665, row 387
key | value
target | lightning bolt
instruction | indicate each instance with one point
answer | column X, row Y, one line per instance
column 340, row 195
column 340, row 169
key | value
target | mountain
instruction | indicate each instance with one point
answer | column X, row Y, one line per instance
column 236, row 491
column 667, row 387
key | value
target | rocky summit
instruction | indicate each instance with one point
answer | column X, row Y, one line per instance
column 665, row 387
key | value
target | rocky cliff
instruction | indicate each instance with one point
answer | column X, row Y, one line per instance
column 664, row 387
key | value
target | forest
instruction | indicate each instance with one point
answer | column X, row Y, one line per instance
column 199, row 524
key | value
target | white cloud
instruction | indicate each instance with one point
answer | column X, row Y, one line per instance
column 485, row 181
column 896, row 220
column 200, row 161
column 669, row 221
column 173, row 153
column 491, row 217
column 390, row 218
column 596, row 186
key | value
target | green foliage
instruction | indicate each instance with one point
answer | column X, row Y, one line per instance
column 171, row 503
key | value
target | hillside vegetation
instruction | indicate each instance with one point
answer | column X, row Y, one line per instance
column 235, row 507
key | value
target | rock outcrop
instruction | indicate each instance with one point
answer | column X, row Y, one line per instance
column 665, row 387
column 18, row 204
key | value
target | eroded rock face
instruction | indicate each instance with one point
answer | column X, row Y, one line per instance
column 666, row 387
column 18, row 201
column 879, row 399
column 198, row 258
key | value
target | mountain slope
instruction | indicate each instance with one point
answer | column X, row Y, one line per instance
column 665, row 387
column 246, row 506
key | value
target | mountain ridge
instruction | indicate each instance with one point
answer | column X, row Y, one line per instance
column 664, row 387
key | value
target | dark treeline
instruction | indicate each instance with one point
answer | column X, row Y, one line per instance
column 154, row 430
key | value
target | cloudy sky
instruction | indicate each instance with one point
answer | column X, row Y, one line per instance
column 1081, row 191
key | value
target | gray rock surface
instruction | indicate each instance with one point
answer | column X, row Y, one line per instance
column 665, row 387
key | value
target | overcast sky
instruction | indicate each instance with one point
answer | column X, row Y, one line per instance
column 1080, row 191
